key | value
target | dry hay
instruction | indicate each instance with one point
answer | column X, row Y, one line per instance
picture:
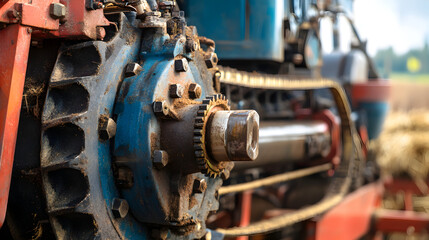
column 403, row 147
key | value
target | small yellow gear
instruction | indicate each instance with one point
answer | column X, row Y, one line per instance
column 209, row 106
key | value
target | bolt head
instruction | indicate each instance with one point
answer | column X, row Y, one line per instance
column 106, row 128
column 132, row 69
column 160, row 108
column 191, row 45
column 160, row 159
column 194, row 90
column 211, row 60
column 181, row 65
column 176, row 90
column 57, row 10
column 125, row 177
column 200, row 185
column 120, row 207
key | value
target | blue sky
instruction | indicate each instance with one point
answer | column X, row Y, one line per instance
column 402, row 24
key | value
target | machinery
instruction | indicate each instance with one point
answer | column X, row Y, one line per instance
column 119, row 121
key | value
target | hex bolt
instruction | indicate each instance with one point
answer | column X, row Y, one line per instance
column 181, row 65
column 57, row 10
column 194, row 90
column 120, row 207
column 211, row 60
column 191, row 45
column 106, row 128
column 124, row 177
column 160, row 108
column 200, row 185
column 176, row 90
column 160, row 159
column 216, row 81
column 132, row 69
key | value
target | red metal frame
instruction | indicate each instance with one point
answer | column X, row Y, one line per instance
column 351, row 218
column 19, row 21
column 14, row 46
column 390, row 221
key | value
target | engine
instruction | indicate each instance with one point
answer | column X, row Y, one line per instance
column 190, row 119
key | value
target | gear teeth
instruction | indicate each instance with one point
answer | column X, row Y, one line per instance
column 199, row 132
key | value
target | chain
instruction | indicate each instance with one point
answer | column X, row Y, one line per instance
column 341, row 181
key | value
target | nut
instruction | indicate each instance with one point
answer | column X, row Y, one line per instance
column 132, row 69
column 57, row 10
column 106, row 128
column 160, row 108
column 124, row 177
column 191, row 45
column 160, row 159
column 194, row 91
column 200, row 185
column 211, row 59
column 120, row 207
column 181, row 65
column 176, row 90
column 216, row 81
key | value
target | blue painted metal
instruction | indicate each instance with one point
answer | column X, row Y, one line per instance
column 128, row 227
column 138, row 132
column 242, row 29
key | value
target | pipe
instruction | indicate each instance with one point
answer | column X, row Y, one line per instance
column 289, row 141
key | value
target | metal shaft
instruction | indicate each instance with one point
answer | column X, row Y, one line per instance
column 233, row 135
column 289, row 141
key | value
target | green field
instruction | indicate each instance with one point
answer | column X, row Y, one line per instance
column 409, row 77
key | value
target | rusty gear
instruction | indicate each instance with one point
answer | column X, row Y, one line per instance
column 209, row 106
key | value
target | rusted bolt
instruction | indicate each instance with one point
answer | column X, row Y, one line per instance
column 57, row 10
column 194, row 90
column 216, row 81
column 176, row 90
column 120, row 207
column 200, row 185
column 125, row 177
column 191, row 45
column 211, row 59
column 159, row 234
column 106, row 128
column 97, row 5
column 160, row 159
column 160, row 108
column 181, row 65
column 132, row 69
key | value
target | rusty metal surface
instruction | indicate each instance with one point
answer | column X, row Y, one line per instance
column 29, row 13
column 14, row 46
column 390, row 221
